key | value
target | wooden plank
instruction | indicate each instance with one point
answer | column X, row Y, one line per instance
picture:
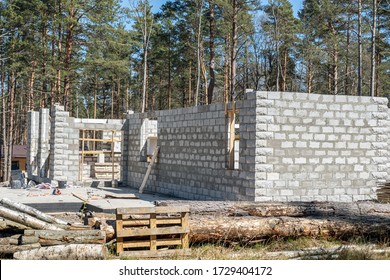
column 145, row 222
column 153, row 238
column 155, row 254
column 150, row 231
column 119, row 239
column 146, row 243
column 100, row 140
column 80, row 197
column 185, row 224
column 121, row 196
column 141, row 189
column 138, row 222
column 148, row 210
column 97, row 152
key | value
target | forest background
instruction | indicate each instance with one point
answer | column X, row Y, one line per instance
column 102, row 58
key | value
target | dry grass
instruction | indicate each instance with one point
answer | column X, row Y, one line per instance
column 283, row 249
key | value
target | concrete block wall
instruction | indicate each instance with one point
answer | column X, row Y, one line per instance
column 193, row 155
column 32, row 143
column 44, row 142
column 38, row 135
column 293, row 147
column 133, row 165
column 54, row 141
column 64, row 147
column 324, row 147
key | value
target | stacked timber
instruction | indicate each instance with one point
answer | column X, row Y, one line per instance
column 47, row 237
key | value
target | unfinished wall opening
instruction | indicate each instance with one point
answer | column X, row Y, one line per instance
column 233, row 138
column 100, row 154
column 148, row 139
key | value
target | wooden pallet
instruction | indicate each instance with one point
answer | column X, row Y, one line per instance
column 145, row 232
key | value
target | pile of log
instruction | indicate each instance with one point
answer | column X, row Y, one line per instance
column 47, row 237
column 251, row 222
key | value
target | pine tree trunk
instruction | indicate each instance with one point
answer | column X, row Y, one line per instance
column 360, row 49
column 43, row 66
column 335, row 70
column 3, row 149
column 11, row 94
column 346, row 75
column 169, row 97
column 59, row 55
column 199, row 52
column 190, row 101
column 233, row 55
column 69, row 42
column 144, row 83
column 95, row 96
column 373, row 48
column 204, row 75
column 112, row 99
column 226, row 73
column 119, row 103
column 284, row 77
column 309, row 78
column 31, row 83
column 210, row 90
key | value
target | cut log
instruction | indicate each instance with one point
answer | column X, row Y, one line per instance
column 55, row 237
column 65, row 252
column 11, row 249
column 26, row 219
column 12, row 226
column 248, row 229
column 12, row 240
column 24, row 240
column 108, row 229
column 277, row 209
column 32, row 211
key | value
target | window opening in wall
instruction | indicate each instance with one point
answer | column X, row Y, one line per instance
column 100, row 154
column 233, row 138
column 148, row 139
column 151, row 147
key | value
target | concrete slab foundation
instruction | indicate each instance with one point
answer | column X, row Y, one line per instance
column 45, row 201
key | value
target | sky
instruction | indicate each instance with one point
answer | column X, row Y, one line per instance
column 297, row 4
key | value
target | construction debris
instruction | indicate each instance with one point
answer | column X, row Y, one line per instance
column 44, row 232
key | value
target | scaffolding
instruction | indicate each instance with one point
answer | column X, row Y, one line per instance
column 92, row 142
